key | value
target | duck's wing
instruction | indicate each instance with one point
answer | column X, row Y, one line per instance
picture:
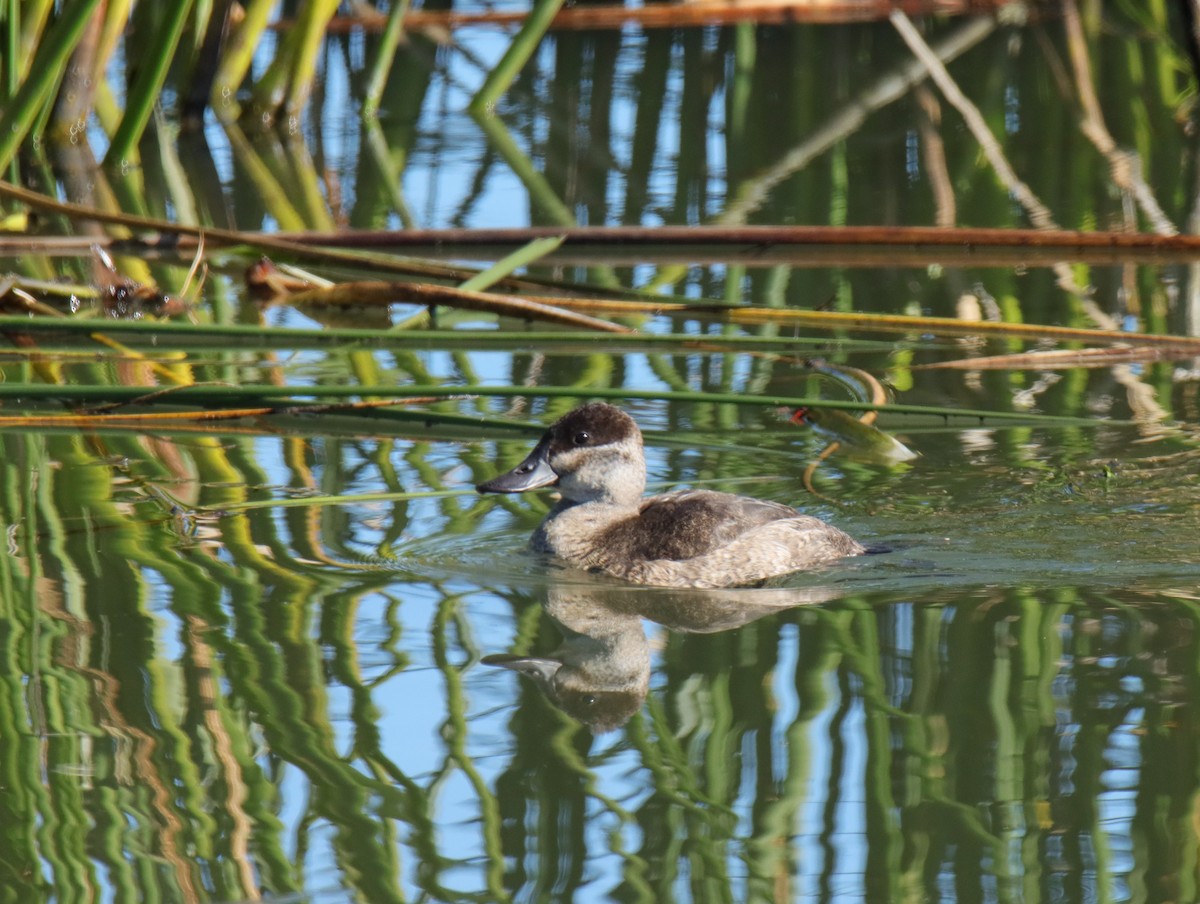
column 692, row 523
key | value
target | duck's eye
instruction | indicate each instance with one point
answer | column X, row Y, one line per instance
column 581, row 438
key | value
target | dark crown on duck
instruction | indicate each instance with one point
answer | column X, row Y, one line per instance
column 595, row 424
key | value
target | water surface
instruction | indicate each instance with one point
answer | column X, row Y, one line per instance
column 232, row 669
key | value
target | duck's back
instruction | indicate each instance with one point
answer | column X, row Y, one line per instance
column 691, row 523
column 702, row 538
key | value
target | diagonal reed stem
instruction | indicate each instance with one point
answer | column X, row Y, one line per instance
column 48, row 66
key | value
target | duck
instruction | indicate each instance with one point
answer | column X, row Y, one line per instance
column 600, row 672
column 692, row 538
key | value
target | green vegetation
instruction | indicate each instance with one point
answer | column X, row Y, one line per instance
column 249, row 588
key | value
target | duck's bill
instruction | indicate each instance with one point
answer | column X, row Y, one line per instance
column 538, row 668
column 530, row 474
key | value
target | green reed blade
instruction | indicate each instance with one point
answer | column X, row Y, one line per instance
column 382, row 65
column 237, row 57
column 152, row 74
column 314, row 16
column 173, row 335
column 271, row 192
column 541, row 192
column 11, row 69
column 517, row 55
column 210, row 394
column 44, row 73
column 29, row 29
column 522, row 257
column 267, row 96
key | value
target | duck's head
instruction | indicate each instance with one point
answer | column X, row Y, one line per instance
column 600, row 703
column 592, row 454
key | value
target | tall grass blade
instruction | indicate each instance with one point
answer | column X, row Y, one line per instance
column 535, row 250
column 524, row 44
column 10, row 71
column 314, row 17
column 382, row 65
column 219, row 394
column 146, row 89
column 385, row 293
column 29, row 27
column 237, row 57
column 47, row 68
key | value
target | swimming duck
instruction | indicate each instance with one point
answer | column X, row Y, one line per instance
column 689, row 538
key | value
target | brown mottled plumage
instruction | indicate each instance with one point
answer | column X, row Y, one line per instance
column 691, row 538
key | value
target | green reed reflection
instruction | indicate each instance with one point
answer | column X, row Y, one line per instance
column 206, row 694
column 236, row 711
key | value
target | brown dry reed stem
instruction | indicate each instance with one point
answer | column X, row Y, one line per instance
column 147, row 420
column 934, row 156
column 227, row 237
column 368, row 292
column 697, row 13
column 1038, row 212
column 760, row 239
column 885, row 90
column 889, row 323
column 1061, row 359
column 749, row 245
column 878, row 397
column 76, row 92
column 1125, row 166
column 237, row 792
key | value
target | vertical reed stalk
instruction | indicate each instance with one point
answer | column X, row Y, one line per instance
column 517, row 55
column 11, row 72
column 388, row 41
column 32, row 30
column 235, row 61
column 208, row 60
column 311, row 26
column 44, row 73
column 145, row 91
column 116, row 19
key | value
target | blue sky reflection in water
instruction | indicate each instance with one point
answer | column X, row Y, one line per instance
column 1012, row 695
column 210, row 702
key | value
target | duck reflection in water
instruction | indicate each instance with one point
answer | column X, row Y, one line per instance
column 691, row 538
column 600, row 673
